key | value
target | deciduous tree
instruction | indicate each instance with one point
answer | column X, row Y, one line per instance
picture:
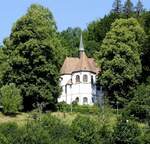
column 119, row 59
column 35, row 56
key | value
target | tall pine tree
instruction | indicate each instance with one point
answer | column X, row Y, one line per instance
column 128, row 8
column 139, row 8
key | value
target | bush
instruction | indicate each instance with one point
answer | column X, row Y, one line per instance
column 139, row 107
column 146, row 137
column 58, row 132
column 126, row 132
column 32, row 133
column 84, row 109
column 8, row 133
column 3, row 139
column 10, row 99
column 85, row 130
column 47, row 130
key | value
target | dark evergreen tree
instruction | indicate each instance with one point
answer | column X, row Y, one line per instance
column 117, row 7
column 35, row 55
column 128, row 8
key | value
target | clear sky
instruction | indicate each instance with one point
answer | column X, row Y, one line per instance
column 67, row 13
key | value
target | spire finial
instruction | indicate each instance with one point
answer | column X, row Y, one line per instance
column 81, row 43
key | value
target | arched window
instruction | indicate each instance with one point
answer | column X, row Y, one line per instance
column 77, row 78
column 77, row 99
column 85, row 100
column 85, row 78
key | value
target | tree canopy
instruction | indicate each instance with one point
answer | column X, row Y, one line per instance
column 35, row 56
column 119, row 58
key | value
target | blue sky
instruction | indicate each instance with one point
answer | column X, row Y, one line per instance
column 67, row 13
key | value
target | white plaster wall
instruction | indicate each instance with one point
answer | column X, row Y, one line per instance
column 79, row 90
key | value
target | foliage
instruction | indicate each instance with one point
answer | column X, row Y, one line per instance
column 35, row 56
column 4, row 66
column 96, row 32
column 83, row 109
column 119, row 59
column 8, row 133
column 139, row 107
column 105, row 134
column 146, row 136
column 71, row 39
column 58, row 132
column 10, row 99
column 146, row 47
column 84, row 130
column 126, row 132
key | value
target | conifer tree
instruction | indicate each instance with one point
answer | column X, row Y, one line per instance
column 128, row 8
column 117, row 6
column 139, row 8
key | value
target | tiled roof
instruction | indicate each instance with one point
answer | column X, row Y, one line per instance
column 83, row 63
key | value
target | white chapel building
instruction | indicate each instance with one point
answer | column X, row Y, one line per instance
column 78, row 80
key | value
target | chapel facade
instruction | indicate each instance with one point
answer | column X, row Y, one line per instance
column 78, row 80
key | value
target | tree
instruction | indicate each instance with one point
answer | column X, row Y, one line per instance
column 4, row 66
column 146, row 47
column 10, row 99
column 119, row 59
column 128, row 8
column 117, row 7
column 96, row 32
column 71, row 39
column 139, row 8
column 35, row 56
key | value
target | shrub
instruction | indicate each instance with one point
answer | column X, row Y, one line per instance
column 84, row 130
column 8, row 133
column 58, row 132
column 3, row 139
column 32, row 133
column 126, row 132
column 139, row 107
column 146, row 137
column 10, row 99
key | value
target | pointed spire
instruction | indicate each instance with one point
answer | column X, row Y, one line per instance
column 81, row 44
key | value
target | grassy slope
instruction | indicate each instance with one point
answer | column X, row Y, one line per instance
column 21, row 118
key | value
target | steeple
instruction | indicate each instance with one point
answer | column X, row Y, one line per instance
column 81, row 48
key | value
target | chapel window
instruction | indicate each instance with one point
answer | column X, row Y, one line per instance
column 85, row 100
column 85, row 78
column 77, row 78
